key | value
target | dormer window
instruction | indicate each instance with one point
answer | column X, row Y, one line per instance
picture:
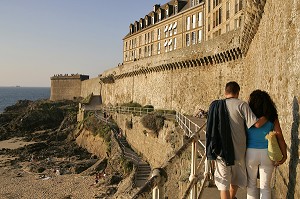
column 141, row 22
column 167, row 12
column 131, row 28
column 153, row 20
column 159, row 16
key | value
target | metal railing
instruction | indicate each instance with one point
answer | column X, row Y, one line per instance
column 132, row 156
column 188, row 126
column 136, row 110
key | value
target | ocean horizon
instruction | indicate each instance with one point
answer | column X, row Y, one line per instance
column 10, row 95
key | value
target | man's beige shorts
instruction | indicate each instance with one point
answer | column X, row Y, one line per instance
column 226, row 175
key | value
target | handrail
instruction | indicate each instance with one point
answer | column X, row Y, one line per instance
column 187, row 125
column 134, row 158
column 137, row 110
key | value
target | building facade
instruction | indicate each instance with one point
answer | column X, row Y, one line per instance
column 179, row 24
column 222, row 16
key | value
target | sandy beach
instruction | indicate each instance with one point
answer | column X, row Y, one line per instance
column 17, row 182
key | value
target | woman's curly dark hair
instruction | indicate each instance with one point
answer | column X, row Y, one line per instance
column 261, row 104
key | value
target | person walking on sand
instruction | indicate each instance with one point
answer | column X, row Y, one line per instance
column 226, row 139
column 257, row 159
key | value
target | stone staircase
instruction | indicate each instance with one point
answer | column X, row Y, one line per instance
column 142, row 175
column 143, row 168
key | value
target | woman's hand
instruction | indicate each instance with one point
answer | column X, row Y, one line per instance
column 281, row 161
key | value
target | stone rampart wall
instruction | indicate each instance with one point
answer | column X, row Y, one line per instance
column 273, row 64
column 90, row 86
column 65, row 89
column 154, row 150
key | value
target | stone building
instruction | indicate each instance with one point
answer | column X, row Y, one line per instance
column 179, row 24
column 66, row 87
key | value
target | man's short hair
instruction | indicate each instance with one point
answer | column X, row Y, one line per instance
column 232, row 88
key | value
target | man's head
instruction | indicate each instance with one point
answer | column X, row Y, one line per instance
column 232, row 89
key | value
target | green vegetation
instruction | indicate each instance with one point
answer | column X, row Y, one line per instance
column 153, row 121
column 131, row 104
column 98, row 127
column 126, row 165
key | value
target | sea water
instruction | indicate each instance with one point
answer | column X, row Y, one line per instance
column 10, row 95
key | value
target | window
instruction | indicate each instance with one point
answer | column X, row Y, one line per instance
column 146, row 38
column 126, row 47
column 145, row 51
column 134, row 41
column 175, row 43
column 140, row 53
column 149, row 39
column 170, row 45
column 193, row 37
column 149, row 51
column 152, row 35
column 220, row 15
column 158, row 48
column 238, row 6
column 175, row 28
column 241, row 5
column 227, row 10
column 188, row 20
column 227, row 27
column 208, row 24
column 214, row 19
column 170, row 29
column 166, row 31
column 217, row 17
column 199, row 36
column 166, row 46
column 192, row 3
column 141, row 25
column 200, row 22
column 208, row 6
column 176, row 9
column 167, row 12
column 194, row 21
column 134, row 54
column 187, row 39
column 159, row 16
column 158, row 34
column 140, row 40
column 238, row 22
column 216, row 3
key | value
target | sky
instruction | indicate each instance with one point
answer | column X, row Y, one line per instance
column 41, row 38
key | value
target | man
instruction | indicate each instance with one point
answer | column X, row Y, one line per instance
column 226, row 139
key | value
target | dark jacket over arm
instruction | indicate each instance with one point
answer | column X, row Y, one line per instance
column 218, row 133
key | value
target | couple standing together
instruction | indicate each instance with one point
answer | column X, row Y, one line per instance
column 235, row 138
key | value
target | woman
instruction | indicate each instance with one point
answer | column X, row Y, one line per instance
column 257, row 159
